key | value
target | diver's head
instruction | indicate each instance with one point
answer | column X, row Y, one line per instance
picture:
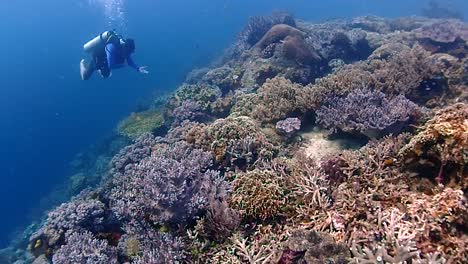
column 129, row 46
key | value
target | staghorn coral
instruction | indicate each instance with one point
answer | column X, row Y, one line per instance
column 258, row 193
column 441, row 146
column 442, row 218
column 261, row 245
column 394, row 70
column 367, row 112
column 170, row 186
column 83, row 247
column 397, row 244
column 141, row 123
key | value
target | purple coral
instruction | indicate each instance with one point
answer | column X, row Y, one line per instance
column 368, row 112
column 444, row 31
column 83, row 247
column 145, row 245
column 82, row 213
column 189, row 110
column 169, row 186
column 134, row 152
column 288, row 126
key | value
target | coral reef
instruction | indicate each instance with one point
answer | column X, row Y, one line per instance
column 234, row 166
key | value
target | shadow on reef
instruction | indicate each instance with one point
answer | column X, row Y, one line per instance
column 234, row 166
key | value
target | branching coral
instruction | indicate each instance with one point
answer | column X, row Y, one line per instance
column 367, row 112
column 82, row 213
column 133, row 153
column 170, row 186
column 138, row 124
column 258, row 193
column 83, row 247
column 441, row 145
column 142, row 244
column 442, row 218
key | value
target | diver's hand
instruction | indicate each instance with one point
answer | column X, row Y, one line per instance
column 143, row 69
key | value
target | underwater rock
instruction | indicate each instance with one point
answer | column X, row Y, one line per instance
column 310, row 247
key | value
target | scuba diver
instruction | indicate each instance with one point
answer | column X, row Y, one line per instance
column 108, row 51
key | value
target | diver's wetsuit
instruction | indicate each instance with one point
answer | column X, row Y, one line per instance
column 113, row 57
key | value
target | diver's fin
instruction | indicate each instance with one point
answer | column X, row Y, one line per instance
column 86, row 69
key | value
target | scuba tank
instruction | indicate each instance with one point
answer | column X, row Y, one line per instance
column 99, row 42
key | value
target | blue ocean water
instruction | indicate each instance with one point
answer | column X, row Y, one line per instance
column 48, row 114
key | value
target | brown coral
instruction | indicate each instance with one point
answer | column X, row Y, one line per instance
column 277, row 33
column 274, row 101
column 235, row 141
column 441, row 146
column 258, row 194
